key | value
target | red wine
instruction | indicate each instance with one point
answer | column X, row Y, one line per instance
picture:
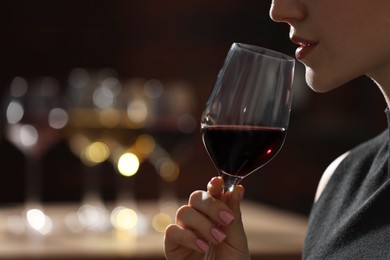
column 239, row 150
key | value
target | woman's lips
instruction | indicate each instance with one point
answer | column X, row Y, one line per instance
column 305, row 47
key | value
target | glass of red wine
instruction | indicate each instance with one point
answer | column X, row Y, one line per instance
column 246, row 117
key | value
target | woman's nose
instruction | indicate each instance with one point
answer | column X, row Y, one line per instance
column 287, row 11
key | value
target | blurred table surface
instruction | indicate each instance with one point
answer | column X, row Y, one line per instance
column 272, row 234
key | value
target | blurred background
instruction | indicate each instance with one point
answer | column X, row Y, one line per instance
column 165, row 55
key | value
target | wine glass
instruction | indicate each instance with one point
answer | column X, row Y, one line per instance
column 92, row 121
column 33, row 119
column 246, row 117
column 107, row 119
column 172, row 127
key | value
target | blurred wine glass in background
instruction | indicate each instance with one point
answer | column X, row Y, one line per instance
column 33, row 117
column 106, row 123
column 173, row 126
column 92, row 121
column 131, row 146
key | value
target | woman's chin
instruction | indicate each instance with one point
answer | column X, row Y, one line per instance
column 321, row 84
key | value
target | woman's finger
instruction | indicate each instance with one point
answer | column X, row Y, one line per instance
column 215, row 187
column 234, row 198
column 181, row 242
column 211, row 207
column 189, row 218
column 235, row 231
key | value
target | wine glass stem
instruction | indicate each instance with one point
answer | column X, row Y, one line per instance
column 230, row 181
column 92, row 184
column 125, row 190
column 33, row 180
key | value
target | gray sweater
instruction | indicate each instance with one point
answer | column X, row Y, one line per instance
column 351, row 219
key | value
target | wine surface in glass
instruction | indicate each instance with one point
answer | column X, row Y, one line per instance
column 238, row 150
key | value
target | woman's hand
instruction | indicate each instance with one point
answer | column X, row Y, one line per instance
column 210, row 217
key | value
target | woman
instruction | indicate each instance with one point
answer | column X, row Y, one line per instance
column 338, row 40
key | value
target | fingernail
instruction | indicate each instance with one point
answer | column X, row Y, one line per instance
column 202, row 245
column 226, row 217
column 218, row 234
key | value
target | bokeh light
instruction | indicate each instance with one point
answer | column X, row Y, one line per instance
column 128, row 164
column 38, row 221
column 14, row 112
column 28, row 135
column 93, row 217
column 18, row 87
column 123, row 218
column 96, row 152
column 161, row 221
column 58, row 118
column 168, row 170
column 137, row 111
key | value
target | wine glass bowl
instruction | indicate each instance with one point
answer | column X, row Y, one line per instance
column 246, row 116
column 240, row 150
column 33, row 115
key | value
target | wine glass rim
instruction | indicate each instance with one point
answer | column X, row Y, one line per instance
column 263, row 51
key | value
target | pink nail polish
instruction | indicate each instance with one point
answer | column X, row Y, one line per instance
column 202, row 245
column 218, row 234
column 226, row 217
